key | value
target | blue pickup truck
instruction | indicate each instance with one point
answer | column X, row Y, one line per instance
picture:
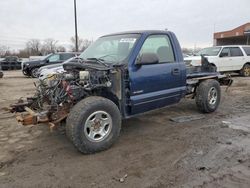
column 119, row 76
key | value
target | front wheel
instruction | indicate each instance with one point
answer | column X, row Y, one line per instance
column 93, row 124
column 34, row 73
column 25, row 73
column 208, row 95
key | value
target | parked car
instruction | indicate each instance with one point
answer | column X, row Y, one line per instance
column 11, row 63
column 43, row 72
column 185, row 55
column 225, row 58
column 118, row 77
column 1, row 72
column 30, row 68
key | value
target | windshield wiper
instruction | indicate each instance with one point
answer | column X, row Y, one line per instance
column 99, row 60
column 108, row 55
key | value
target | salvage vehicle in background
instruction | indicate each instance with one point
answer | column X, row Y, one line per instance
column 47, row 70
column 1, row 72
column 30, row 68
column 225, row 58
column 118, row 77
column 43, row 72
column 11, row 63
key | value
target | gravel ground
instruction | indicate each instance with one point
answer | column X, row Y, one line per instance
column 152, row 151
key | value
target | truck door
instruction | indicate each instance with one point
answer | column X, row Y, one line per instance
column 156, row 85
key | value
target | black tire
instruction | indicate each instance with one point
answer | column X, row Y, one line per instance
column 77, row 119
column 25, row 73
column 245, row 71
column 33, row 72
column 4, row 67
column 206, row 99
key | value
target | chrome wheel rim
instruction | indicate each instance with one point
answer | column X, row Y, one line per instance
column 212, row 96
column 247, row 71
column 98, row 126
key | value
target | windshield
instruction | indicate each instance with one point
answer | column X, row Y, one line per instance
column 212, row 51
column 111, row 49
column 45, row 57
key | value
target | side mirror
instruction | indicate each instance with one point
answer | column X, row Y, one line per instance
column 147, row 58
column 47, row 60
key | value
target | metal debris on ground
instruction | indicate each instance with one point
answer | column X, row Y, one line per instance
column 202, row 168
column 2, row 174
column 225, row 124
column 122, row 179
column 182, row 119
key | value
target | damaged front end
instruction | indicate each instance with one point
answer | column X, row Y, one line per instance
column 58, row 93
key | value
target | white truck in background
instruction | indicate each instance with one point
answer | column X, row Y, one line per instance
column 233, row 58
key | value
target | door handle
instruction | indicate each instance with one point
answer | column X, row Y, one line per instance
column 175, row 71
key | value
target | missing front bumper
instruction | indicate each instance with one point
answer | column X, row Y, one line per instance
column 27, row 116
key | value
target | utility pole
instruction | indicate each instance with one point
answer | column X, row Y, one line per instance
column 76, row 35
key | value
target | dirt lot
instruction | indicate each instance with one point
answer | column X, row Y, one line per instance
column 152, row 150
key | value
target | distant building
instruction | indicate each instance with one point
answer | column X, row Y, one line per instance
column 240, row 35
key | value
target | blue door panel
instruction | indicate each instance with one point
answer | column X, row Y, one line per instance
column 153, row 100
column 155, row 77
column 154, row 86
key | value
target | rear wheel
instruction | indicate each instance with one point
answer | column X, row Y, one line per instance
column 245, row 70
column 93, row 124
column 208, row 95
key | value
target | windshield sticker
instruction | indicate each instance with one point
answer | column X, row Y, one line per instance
column 130, row 40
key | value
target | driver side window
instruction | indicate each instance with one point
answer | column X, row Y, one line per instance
column 53, row 58
column 159, row 45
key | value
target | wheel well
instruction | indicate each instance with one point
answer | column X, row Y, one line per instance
column 212, row 64
column 109, row 95
column 247, row 63
column 212, row 67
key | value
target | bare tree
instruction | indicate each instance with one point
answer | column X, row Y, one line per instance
column 24, row 53
column 73, row 42
column 4, row 50
column 82, row 43
column 60, row 49
column 49, row 46
column 85, row 44
column 34, row 46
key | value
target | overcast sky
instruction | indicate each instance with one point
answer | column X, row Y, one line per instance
column 193, row 21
